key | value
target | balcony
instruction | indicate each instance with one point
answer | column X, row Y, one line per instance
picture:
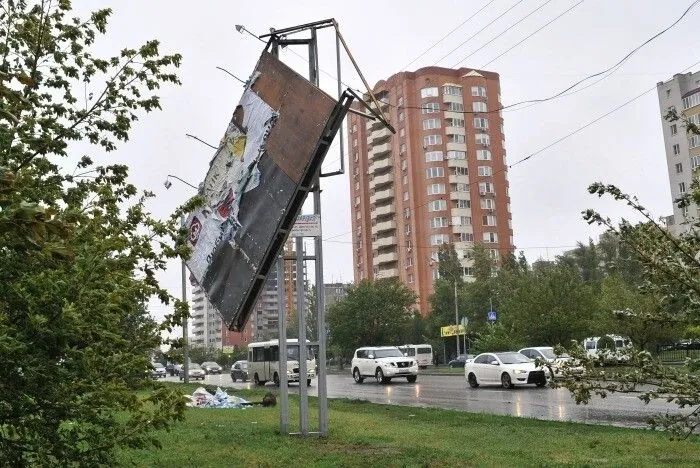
column 460, row 228
column 384, row 210
column 387, row 273
column 459, row 179
column 460, row 212
column 453, row 115
column 381, row 195
column 380, row 150
column 452, row 98
column 381, row 180
column 380, row 165
column 384, row 226
column 390, row 257
column 456, row 146
column 455, row 195
column 388, row 241
column 455, row 131
column 456, row 162
column 379, row 135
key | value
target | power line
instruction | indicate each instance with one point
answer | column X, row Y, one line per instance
column 502, row 32
column 447, row 35
column 530, row 35
column 479, row 31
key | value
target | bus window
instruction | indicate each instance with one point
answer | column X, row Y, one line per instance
column 425, row 350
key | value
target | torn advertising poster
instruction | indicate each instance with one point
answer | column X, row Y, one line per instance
column 257, row 182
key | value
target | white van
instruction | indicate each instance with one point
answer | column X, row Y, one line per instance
column 422, row 353
column 612, row 348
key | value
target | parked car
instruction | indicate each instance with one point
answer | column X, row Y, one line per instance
column 507, row 369
column 177, row 368
column 609, row 349
column 239, row 370
column 157, row 370
column 460, row 360
column 194, row 371
column 210, row 367
column 384, row 363
column 557, row 363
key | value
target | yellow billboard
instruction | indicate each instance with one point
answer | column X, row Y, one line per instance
column 453, row 330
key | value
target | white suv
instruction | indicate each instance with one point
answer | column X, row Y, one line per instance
column 384, row 363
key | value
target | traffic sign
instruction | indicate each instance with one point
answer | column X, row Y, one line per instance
column 491, row 316
column 464, row 322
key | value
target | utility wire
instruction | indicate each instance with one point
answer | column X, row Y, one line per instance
column 479, row 31
column 502, row 32
column 446, row 35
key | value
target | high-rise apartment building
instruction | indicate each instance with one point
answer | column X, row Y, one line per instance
column 682, row 92
column 442, row 178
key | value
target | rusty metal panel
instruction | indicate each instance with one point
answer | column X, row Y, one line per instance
column 257, row 183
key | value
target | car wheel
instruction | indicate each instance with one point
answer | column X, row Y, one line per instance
column 243, row 379
column 257, row 380
column 233, row 377
column 473, row 383
column 506, row 381
column 276, row 379
column 356, row 375
column 379, row 376
column 541, row 383
column 411, row 378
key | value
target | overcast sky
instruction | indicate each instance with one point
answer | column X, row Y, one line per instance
column 548, row 191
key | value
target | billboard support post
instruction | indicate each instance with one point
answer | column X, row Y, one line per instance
column 301, row 316
column 282, row 323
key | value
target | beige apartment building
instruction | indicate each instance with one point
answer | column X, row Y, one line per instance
column 441, row 178
column 682, row 92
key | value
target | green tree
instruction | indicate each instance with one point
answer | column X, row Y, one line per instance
column 449, row 267
column 373, row 313
column 483, row 263
column 80, row 250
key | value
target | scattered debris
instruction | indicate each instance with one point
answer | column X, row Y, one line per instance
column 201, row 398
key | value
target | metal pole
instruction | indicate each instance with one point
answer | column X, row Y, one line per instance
column 340, row 94
column 318, row 252
column 303, row 390
column 457, row 317
column 185, row 332
column 282, row 324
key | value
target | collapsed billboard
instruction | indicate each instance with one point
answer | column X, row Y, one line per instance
column 260, row 175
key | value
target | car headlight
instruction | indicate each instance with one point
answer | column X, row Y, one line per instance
column 521, row 371
column 391, row 364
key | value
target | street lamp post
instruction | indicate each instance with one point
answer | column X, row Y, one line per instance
column 457, row 317
column 185, row 333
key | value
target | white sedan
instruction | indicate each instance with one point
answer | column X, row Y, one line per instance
column 507, row 369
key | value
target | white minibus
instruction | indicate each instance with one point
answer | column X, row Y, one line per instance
column 263, row 361
column 422, row 353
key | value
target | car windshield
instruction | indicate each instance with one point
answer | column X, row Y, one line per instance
column 590, row 344
column 293, row 352
column 210, row 364
column 512, row 358
column 548, row 353
column 424, row 350
column 382, row 353
column 158, row 365
column 244, row 365
column 194, row 366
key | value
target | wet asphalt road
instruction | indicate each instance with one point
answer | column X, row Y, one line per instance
column 452, row 392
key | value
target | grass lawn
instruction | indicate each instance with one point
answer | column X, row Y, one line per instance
column 366, row 434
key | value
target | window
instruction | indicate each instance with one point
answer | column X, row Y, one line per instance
column 402, row 148
column 485, row 171
column 407, row 229
column 685, row 211
column 478, row 91
column 674, row 129
column 432, row 140
column 410, row 278
column 460, row 171
column 487, row 204
column 402, row 132
column 401, row 116
column 454, row 138
column 455, row 107
column 679, row 168
column 357, row 200
column 429, row 124
column 681, row 188
column 429, row 92
column 468, row 271
column 493, row 253
column 668, row 93
column 483, row 139
column 485, row 187
column 437, row 205
column 676, row 149
column 433, row 156
column 479, row 107
column 483, row 155
column 407, row 213
column 465, row 237
column 405, row 180
column 691, row 101
column 695, row 118
column 430, row 108
column 490, row 237
column 357, row 186
column 488, row 220
column 404, row 164
column 432, row 172
column 454, row 123
column 354, row 142
column 405, row 196
column 439, row 222
column 695, row 162
column 439, row 239
column 436, row 189
column 456, row 155
column 358, row 215
column 452, row 90
column 461, row 220
column 354, row 128
column 694, row 141
column 481, row 123
column 460, row 187
column 436, row 274
column 464, row 204
column 400, row 101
